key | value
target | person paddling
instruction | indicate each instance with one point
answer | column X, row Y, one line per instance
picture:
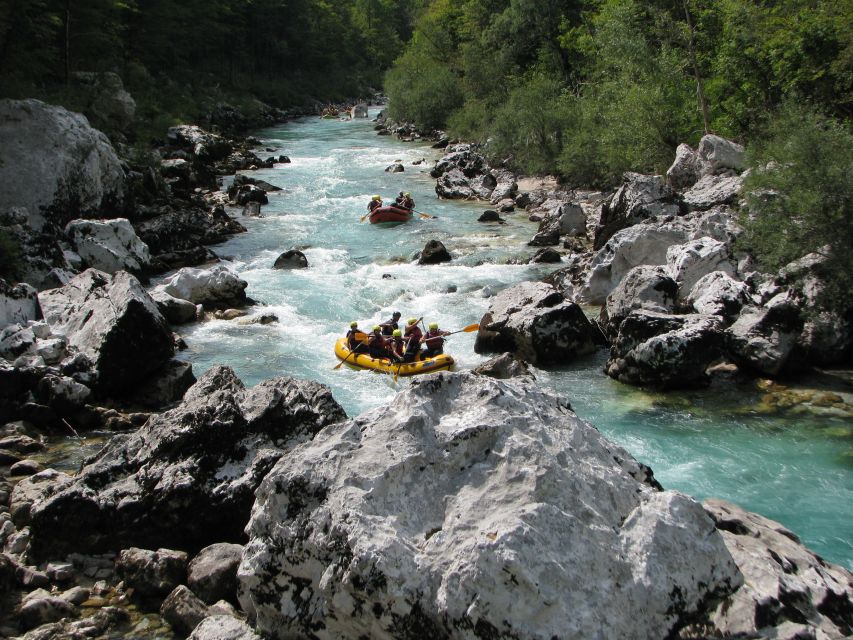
column 390, row 325
column 353, row 342
column 397, row 346
column 413, row 336
column 434, row 340
column 375, row 203
column 376, row 343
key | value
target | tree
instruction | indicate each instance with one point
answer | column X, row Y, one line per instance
column 800, row 196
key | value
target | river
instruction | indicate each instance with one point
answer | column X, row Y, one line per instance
column 792, row 466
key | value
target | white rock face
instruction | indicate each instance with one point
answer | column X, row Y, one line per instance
column 359, row 111
column 685, row 169
column 688, row 263
column 18, row 304
column 51, row 158
column 717, row 154
column 787, row 586
column 711, row 191
column 719, row 294
column 109, row 245
column 206, row 286
column 645, row 287
column 631, row 247
column 223, row 627
column 470, row 508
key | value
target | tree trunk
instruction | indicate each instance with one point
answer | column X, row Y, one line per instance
column 700, row 88
column 67, row 45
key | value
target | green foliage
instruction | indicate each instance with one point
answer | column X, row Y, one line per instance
column 800, row 196
column 9, row 255
column 173, row 56
column 627, row 74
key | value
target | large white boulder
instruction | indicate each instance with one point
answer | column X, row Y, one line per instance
column 711, row 191
column 717, row 154
column 18, row 303
column 687, row 263
column 114, row 321
column 639, row 198
column 109, row 245
column 717, row 293
column 472, row 507
column 647, row 287
column 53, row 162
column 217, row 286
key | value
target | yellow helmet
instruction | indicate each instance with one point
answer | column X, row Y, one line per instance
column 376, row 198
column 433, row 325
column 397, row 333
column 353, row 324
column 411, row 321
column 377, row 328
column 407, row 194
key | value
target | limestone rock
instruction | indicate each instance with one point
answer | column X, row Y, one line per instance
column 472, row 507
column 537, row 324
column 785, row 583
column 18, row 303
column 359, row 111
column 223, row 628
column 206, row 146
column 717, row 154
column 152, row 573
column 504, row 366
column 665, row 351
column 434, row 252
column 685, row 169
column 217, row 287
column 53, row 164
column 645, row 287
column 212, row 574
column 717, row 293
column 183, row 610
column 109, row 105
column 109, row 245
column 762, row 339
column 114, row 322
column 688, row 263
column 187, row 478
column 640, row 197
column 292, row 259
column 711, row 191
column 175, row 310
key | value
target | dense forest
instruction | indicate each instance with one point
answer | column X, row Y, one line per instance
column 583, row 89
column 176, row 58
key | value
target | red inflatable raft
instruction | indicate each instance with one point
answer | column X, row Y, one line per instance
column 390, row 214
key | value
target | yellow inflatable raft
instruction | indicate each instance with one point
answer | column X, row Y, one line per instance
column 384, row 365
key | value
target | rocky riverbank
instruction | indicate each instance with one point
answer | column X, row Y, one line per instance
column 469, row 507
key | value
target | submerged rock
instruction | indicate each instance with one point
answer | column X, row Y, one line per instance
column 187, row 478
column 473, row 507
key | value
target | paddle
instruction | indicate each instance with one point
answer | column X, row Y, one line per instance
column 425, row 216
column 468, row 329
column 338, row 366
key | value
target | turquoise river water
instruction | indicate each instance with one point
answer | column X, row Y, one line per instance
column 796, row 468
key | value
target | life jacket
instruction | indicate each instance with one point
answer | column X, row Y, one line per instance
column 408, row 203
column 374, row 204
column 434, row 339
column 398, row 347
column 375, row 339
column 352, row 340
column 389, row 326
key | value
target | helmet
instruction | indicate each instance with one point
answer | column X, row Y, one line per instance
column 411, row 321
column 376, row 198
column 377, row 328
column 397, row 333
column 407, row 194
column 433, row 325
column 353, row 324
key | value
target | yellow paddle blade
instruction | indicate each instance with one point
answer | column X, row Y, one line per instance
column 471, row 327
column 364, row 217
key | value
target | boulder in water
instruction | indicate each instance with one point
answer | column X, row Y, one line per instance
column 291, row 259
column 216, row 288
column 468, row 504
column 665, row 351
column 645, row 287
column 534, row 321
column 434, row 252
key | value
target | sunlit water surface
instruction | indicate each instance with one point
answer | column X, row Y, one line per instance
column 797, row 470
